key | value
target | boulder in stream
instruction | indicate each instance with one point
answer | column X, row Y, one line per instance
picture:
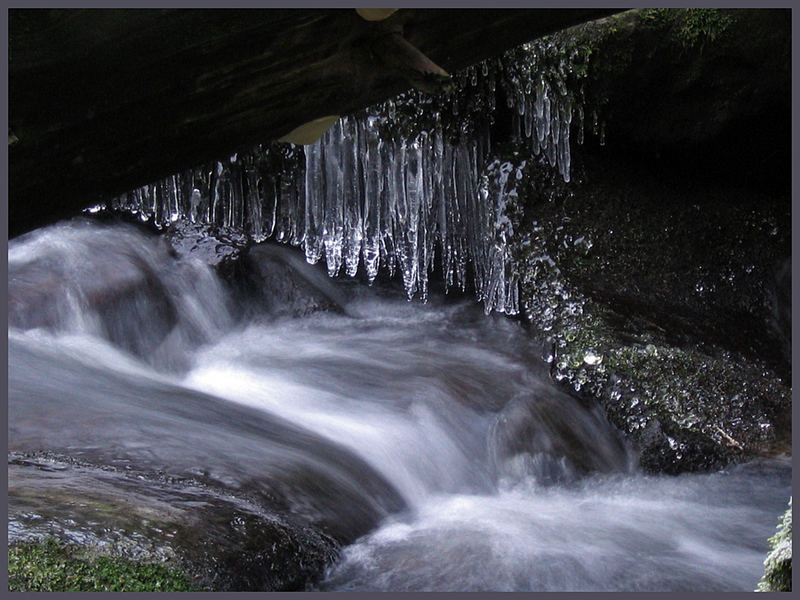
column 656, row 298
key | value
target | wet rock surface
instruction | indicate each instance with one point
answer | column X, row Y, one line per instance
column 131, row 419
column 221, row 541
column 215, row 246
column 269, row 278
column 277, row 280
column 658, row 299
column 130, row 463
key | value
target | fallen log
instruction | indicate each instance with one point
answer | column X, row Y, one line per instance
column 101, row 101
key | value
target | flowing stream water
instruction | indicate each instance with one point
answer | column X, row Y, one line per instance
column 427, row 435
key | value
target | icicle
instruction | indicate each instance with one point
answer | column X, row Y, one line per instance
column 463, row 185
column 428, row 216
column 236, row 199
column 373, row 181
column 314, row 204
column 414, row 180
column 378, row 191
column 352, row 176
column 388, row 199
column 333, row 233
column 404, row 230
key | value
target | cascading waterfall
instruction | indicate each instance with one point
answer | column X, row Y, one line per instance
column 426, row 438
column 386, row 187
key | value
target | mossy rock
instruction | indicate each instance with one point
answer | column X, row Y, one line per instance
column 654, row 301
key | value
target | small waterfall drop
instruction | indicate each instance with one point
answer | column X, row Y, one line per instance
column 427, row 439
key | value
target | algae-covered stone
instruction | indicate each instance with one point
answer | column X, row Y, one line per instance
column 778, row 565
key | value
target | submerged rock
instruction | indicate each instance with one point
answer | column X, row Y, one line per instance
column 66, row 277
column 553, row 440
column 136, row 464
column 117, row 283
column 655, row 299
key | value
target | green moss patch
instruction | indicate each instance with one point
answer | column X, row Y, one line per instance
column 778, row 565
column 51, row 566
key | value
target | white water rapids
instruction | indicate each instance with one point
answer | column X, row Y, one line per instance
column 505, row 483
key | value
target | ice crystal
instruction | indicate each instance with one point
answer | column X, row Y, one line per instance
column 408, row 186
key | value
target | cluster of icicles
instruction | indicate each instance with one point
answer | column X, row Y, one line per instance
column 361, row 197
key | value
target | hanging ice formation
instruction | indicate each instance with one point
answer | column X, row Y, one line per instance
column 399, row 183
